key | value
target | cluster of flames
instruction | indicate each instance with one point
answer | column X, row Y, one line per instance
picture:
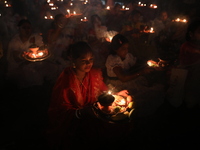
column 119, row 105
column 154, row 6
column 35, row 53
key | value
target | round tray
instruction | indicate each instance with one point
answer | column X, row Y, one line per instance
column 119, row 117
column 25, row 55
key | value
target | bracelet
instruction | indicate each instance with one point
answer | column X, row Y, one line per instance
column 78, row 114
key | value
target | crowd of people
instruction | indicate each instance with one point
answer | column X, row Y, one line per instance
column 93, row 49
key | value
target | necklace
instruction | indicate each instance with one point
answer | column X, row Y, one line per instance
column 81, row 82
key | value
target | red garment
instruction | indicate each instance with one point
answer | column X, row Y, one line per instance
column 68, row 132
column 68, row 95
column 189, row 54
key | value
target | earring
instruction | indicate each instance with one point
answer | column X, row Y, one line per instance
column 73, row 65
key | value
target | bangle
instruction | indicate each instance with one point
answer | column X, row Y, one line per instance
column 78, row 114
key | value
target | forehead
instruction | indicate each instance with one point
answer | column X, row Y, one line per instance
column 87, row 55
column 125, row 45
column 164, row 14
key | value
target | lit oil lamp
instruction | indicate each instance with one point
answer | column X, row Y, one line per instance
column 51, row 4
column 85, row 2
column 152, row 63
column 154, row 6
column 180, row 20
column 48, row 17
column 68, row 11
column 34, row 48
column 84, row 19
column 151, row 30
column 108, row 7
column 114, row 107
column 74, row 14
column 140, row 4
column 36, row 53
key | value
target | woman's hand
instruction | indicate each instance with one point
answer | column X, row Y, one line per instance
column 123, row 93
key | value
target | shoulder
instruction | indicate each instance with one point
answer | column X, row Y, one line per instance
column 112, row 57
column 130, row 55
column 15, row 37
column 96, row 71
column 186, row 45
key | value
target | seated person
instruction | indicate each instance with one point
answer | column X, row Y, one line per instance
column 115, row 18
column 133, row 25
column 189, row 58
column 96, row 30
column 59, row 37
column 163, row 33
column 122, row 74
column 20, row 71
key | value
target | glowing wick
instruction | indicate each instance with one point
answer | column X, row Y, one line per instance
column 149, row 63
column 109, row 92
column 122, row 102
column 178, row 19
column 40, row 54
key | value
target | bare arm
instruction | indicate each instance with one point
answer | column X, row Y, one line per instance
column 127, row 77
column 122, row 76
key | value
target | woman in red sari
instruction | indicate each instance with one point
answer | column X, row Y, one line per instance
column 71, row 121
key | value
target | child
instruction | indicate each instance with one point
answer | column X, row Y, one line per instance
column 122, row 74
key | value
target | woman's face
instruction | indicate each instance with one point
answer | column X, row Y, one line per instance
column 84, row 63
column 25, row 30
column 163, row 16
column 123, row 50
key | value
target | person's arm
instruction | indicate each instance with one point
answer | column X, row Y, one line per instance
column 127, row 77
column 122, row 76
column 53, row 35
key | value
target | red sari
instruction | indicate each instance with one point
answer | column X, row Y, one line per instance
column 68, row 95
column 65, row 130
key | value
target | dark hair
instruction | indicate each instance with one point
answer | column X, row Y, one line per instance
column 93, row 17
column 78, row 49
column 117, row 5
column 106, row 99
column 134, row 12
column 192, row 27
column 58, row 16
column 117, row 41
column 23, row 21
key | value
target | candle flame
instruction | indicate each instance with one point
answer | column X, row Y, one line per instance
column 40, row 53
column 109, row 92
column 149, row 63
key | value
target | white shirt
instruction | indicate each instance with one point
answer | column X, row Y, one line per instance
column 114, row 60
column 17, row 45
